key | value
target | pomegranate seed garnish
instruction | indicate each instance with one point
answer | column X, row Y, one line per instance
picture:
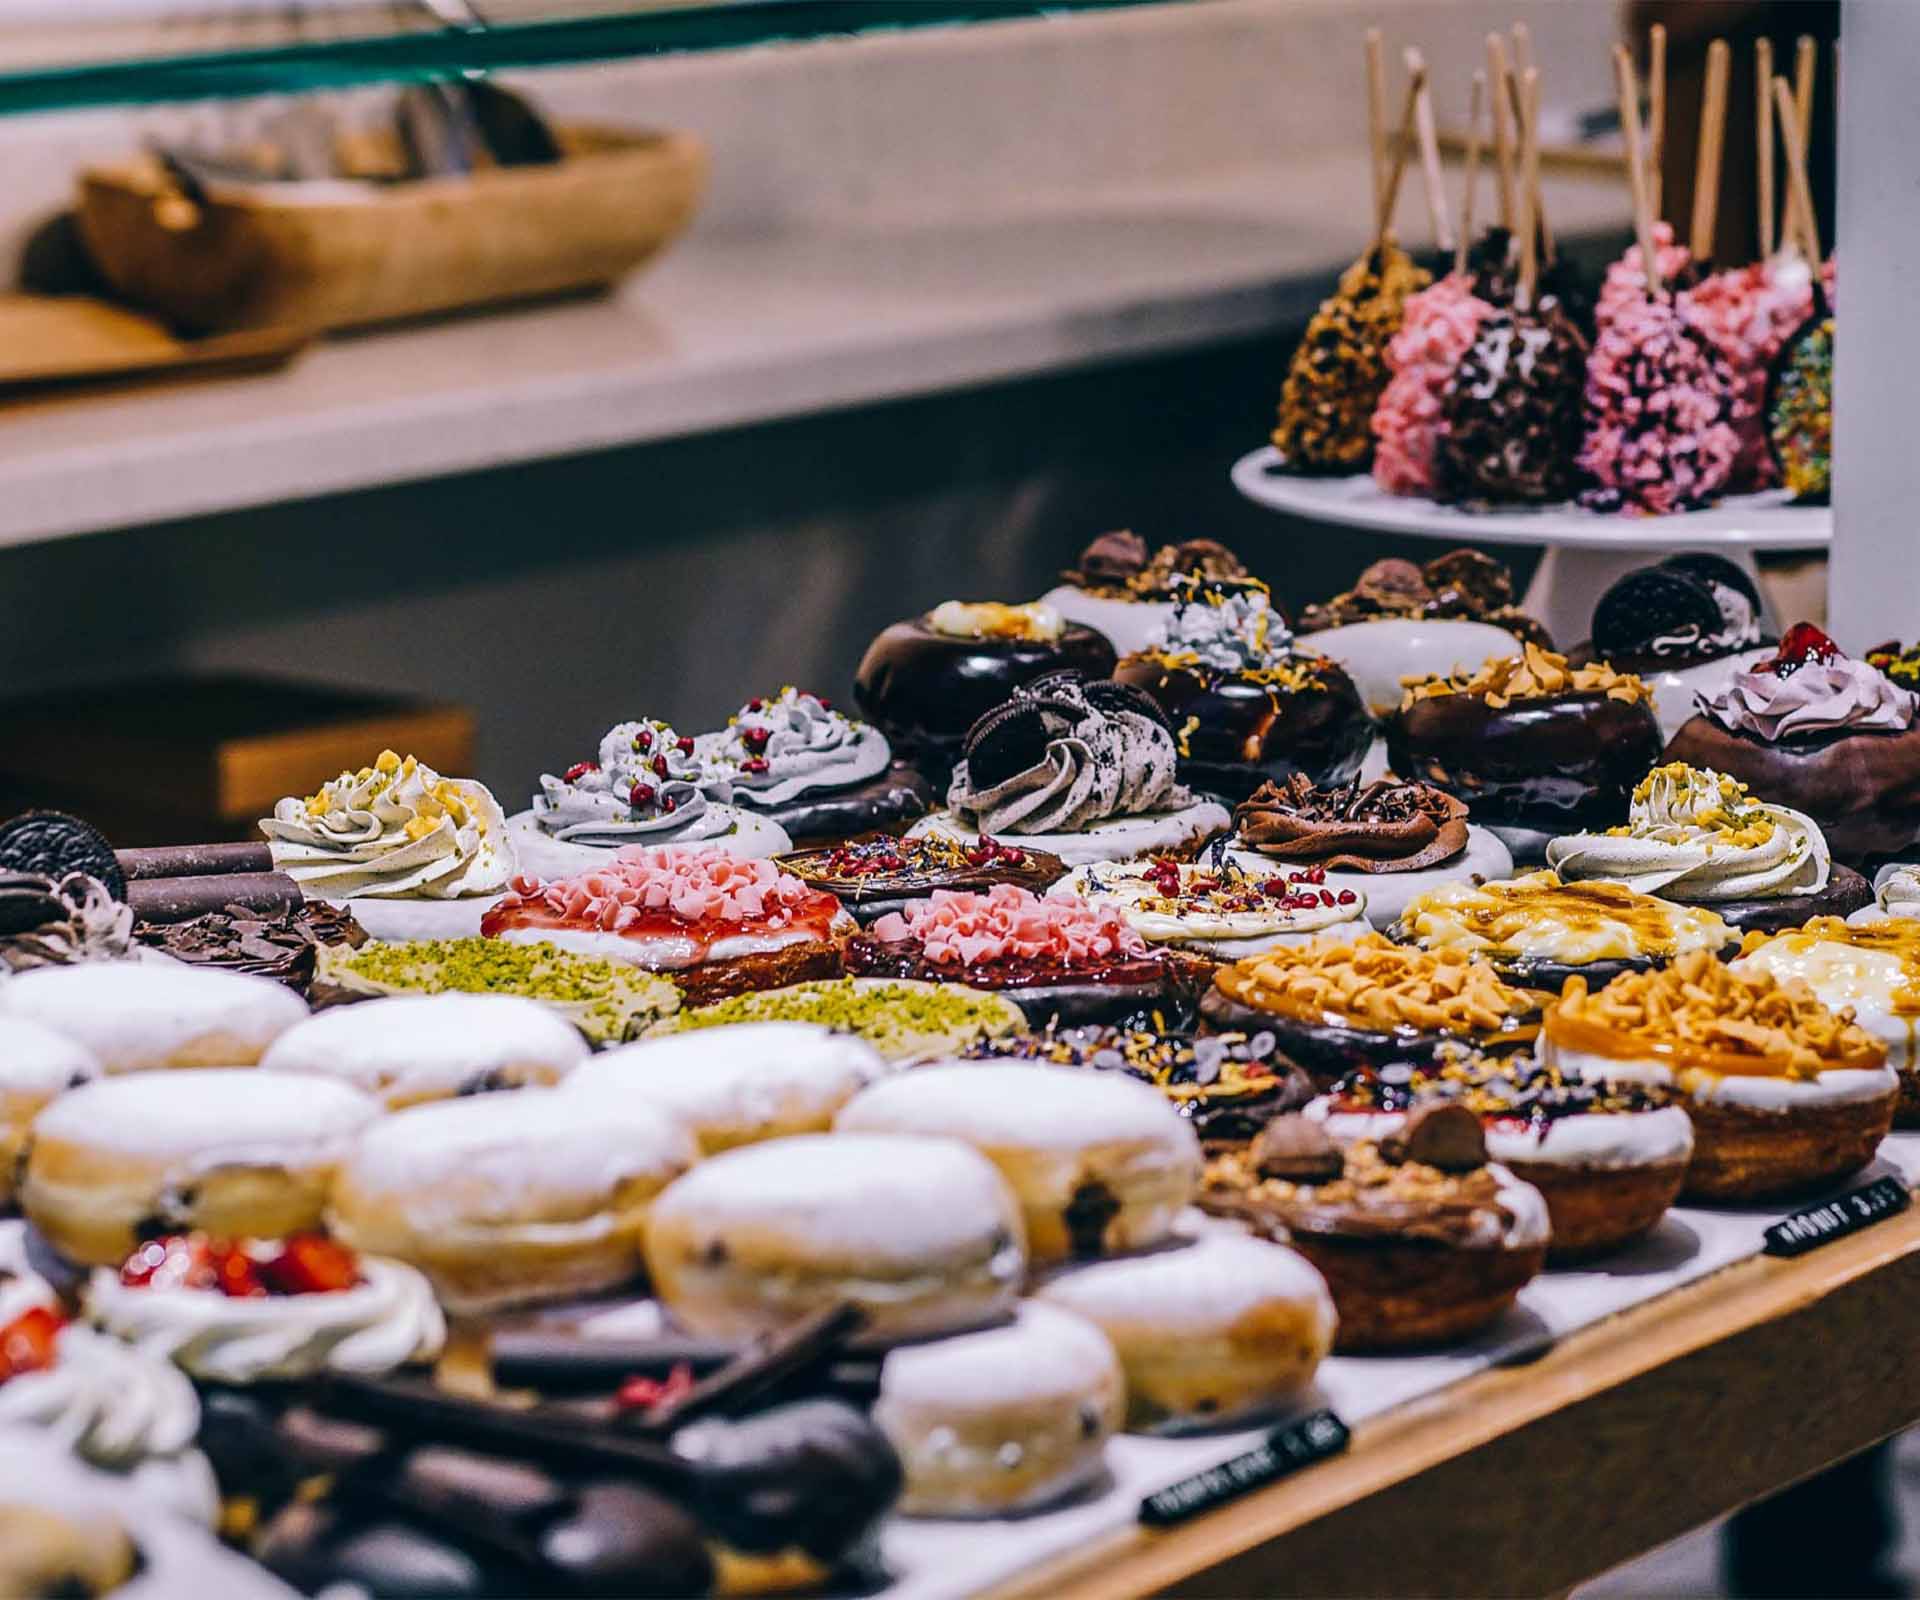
column 239, row 1277
column 579, row 770
column 643, row 1394
column 1346, row 897
column 27, row 1342
column 640, row 796
column 756, row 705
column 643, row 740
column 659, row 766
column 685, row 745
column 754, row 764
column 668, row 804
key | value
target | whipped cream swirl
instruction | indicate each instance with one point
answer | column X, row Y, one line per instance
column 650, row 786
column 1698, row 837
column 386, row 1321
column 1096, row 761
column 777, row 749
column 1231, row 627
column 1897, row 889
column 394, row 829
column 1819, row 697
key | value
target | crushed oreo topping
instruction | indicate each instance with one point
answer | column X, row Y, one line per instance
column 55, row 922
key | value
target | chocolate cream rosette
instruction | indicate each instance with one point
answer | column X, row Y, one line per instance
column 1334, row 1007
column 926, row 681
column 1534, row 746
column 1385, row 840
column 1421, row 1238
column 1122, row 591
column 1828, row 736
column 1245, row 703
column 1700, row 838
column 1078, row 769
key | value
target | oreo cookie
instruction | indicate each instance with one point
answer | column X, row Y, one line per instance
column 1014, row 736
column 28, row 901
column 55, row 844
column 1652, row 603
column 1717, row 572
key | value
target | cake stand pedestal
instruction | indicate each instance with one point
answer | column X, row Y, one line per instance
column 1585, row 551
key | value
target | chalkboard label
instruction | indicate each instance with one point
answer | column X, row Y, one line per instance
column 1822, row 1224
column 1298, row 1444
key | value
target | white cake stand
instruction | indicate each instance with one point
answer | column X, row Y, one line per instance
column 1585, row 550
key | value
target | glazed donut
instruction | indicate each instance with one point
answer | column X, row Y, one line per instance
column 922, row 1234
column 138, row 1015
column 508, row 1198
column 432, row 1047
column 1001, row 1421
column 739, row 1085
column 35, row 1065
column 1099, row 1162
column 231, row 1151
column 1209, row 1332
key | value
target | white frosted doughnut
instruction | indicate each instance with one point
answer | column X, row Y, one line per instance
column 922, row 1234
column 1099, row 1161
column 433, row 1046
column 1209, row 1332
column 135, row 1016
column 35, row 1065
column 230, row 1150
column 1001, row 1421
column 505, row 1198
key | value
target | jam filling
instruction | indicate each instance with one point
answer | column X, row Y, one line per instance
column 243, row 1269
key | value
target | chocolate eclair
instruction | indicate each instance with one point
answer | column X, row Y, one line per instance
column 1245, row 704
column 1128, row 594
column 877, row 874
column 284, row 946
column 1420, row 1238
column 925, row 681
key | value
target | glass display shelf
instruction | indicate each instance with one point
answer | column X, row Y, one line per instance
column 56, row 54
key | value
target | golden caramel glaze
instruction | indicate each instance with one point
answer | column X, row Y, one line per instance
column 1374, row 984
column 1898, row 937
column 1538, row 915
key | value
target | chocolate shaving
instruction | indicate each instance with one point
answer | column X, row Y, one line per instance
column 1383, row 826
column 1296, row 1150
column 282, row 946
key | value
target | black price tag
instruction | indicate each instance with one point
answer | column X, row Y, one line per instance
column 1822, row 1224
column 1298, row 1444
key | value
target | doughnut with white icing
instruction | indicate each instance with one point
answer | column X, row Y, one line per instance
column 412, row 1048
column 35, row 1065
column 923, row 1235
column 1001, row 1421
column 1100, row 1162
column 503, row 1199
column 739, row 1085
column 135, row 1016
column 233, row 1151
column 1211, row 1331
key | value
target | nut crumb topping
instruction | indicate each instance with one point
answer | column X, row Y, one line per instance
column 1533, row 675
column 1374, row 984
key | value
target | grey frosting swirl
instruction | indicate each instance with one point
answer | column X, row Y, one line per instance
column 790, row 744
column 596, row 806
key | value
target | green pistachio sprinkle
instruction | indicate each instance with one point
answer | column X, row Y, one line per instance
column 897, row 1018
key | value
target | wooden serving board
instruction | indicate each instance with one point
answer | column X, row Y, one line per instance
column 55, row 339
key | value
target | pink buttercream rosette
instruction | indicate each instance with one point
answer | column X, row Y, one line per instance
column 1625, row 285
column 1819, row 697
column 1661, row 405
column 692, row 884
column 1438, row 328
column 959, row 929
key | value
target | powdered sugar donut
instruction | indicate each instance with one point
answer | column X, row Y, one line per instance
column 135, row 1016
column 510, row 1198
column 1099, row 1162
column 1002, row 1421
column 922, row 1234
column 231, row 1151
column 739, row 1085
column 1209, row 1332
column 431, row 1047
column 35, row 1065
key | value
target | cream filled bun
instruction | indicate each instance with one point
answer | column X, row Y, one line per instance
column 923, row 1235
column 432, row 1047
column 135, row 1016
column 1099, row 1161
column 739, row 1085
column 1212, row 1331
column 237, row 1152
column 507, row 1198
column 35, row 1065
column 1001, row 1421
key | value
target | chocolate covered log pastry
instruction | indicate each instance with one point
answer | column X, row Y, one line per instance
column 285, row 947
column 219, row 859
column 1337, row 1007
column 1785, row 1094
column 1538, row 932
column 1421, row 1240
column 878, row 874
column 181, row 899
column 1822, row 733
column 49, row 922
column 1529, row 741
column 1127, row 594
column 926, row 681
column 1245, row 703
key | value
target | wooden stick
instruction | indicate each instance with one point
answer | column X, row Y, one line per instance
column 1536, row 203
column 1377, row 114
column 1497, row 74
column 1713, row 136
column 1794, row 137
column 1656, row 112
column 1530, row 147
column 1437, row 217
column 1402, row 149
column 1475, row 109
column 1763, row 135
column 1627, row 86
column 1805, row 61
column 1522, row 48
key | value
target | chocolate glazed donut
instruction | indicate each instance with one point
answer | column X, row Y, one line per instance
column 1862, row 787
column 1564, row 761
column 1246, row 732
column 924, row 689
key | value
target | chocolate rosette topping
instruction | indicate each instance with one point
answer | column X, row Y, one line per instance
column 1383, row 826
column 1111, row 562
column 1462, row 585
